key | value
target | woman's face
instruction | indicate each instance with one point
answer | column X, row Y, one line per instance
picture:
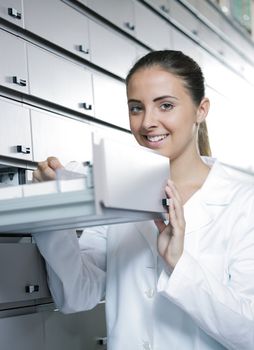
column 162, row 114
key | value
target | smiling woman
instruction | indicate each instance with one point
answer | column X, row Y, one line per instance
column 186, row 283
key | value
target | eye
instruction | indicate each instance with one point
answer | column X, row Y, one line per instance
column 135, row 109
column 166, row 106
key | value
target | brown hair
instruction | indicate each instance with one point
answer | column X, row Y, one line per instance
column 189, row 71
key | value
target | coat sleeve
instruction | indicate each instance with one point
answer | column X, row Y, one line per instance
column 224, row 310
column 76, row 268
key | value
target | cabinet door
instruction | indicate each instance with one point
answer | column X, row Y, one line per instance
column 13, row 71
column 208, row 13
column 60, row 81
column 15, row 130
column 118, row 12
column 151, row 29
column 22, row 274
column 183, row 17
column 160, row 5
column 67, row 139
column 182, row 43
column 23, row 332
column 57, row 15
column 111, row 51
column 75, row 331
column 12, row 11
column 111, row 106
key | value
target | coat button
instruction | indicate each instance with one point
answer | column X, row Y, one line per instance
column 147, row 345
column 149, row 293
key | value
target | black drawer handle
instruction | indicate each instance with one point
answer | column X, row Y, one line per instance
column 87, row 107
column 21, row 82
column 129, row 26
column 32, row 288
column 83, row 49
column 14, row 13
column 23, row 149
column 164, row 8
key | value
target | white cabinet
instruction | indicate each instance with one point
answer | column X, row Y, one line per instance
column 160, row 5
column 183, row 17
column 111, row 51
column 65, row 138
column 110, row 101
column 13, row 71
column 12, row 11
column 118, row 12
column 22, row 278
column 208, row 13
column 55, row 21
column 75, row 331
column 60, row 81
column 182, row 43
column 22, row 332
column 151, row 29
column 15, row 131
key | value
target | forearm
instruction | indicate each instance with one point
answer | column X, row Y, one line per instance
column 75, row 282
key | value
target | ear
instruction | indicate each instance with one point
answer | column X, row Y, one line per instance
column 203, row 110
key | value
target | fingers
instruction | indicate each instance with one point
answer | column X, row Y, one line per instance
column 176, row 213
column 46, row 170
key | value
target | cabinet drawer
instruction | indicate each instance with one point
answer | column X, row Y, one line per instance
column 151, row 29
column 12, row 11
column 184, row 17
column 23, row 332
column 111, row 51
column 67, row 139
column 118, row 12
column 60, row 81
column 110, row 107
column 22, row 273
column 15, row 130
column 13, row 71
column 65, row 26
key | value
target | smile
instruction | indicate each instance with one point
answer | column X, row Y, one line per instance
column 156, row 138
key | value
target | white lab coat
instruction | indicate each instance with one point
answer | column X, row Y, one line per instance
column 206, row 303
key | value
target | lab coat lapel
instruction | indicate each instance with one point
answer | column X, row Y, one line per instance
column 149, row 232
column 216, row 193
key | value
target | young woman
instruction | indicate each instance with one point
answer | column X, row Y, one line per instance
column 186, row 284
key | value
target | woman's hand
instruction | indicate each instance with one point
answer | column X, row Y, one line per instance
column 171, row 237
column 47, row 170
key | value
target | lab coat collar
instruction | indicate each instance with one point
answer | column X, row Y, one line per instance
column 216, row 191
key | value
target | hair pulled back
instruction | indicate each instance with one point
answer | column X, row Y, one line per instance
column 183, row 66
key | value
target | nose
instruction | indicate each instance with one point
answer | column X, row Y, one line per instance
column 149, row 120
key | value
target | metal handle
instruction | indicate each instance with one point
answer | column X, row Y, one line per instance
column 101, row 341
column 21, row 82
column 32, row 288
column 87, row 107
column 23, row 149
column 14, row 13
column 164, row 8
column 83, row 49
column 129, row 26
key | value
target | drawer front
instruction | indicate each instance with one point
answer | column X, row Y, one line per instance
column 60, row 81
column 22, row 273
column 13, row 71
column 13, row 119
column 12, row 11
column 65, row 27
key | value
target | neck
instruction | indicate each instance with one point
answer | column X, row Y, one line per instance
column 189, row 173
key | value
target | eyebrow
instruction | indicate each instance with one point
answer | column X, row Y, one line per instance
column 155, row 99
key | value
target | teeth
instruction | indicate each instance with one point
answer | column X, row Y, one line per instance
column 156, row 138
